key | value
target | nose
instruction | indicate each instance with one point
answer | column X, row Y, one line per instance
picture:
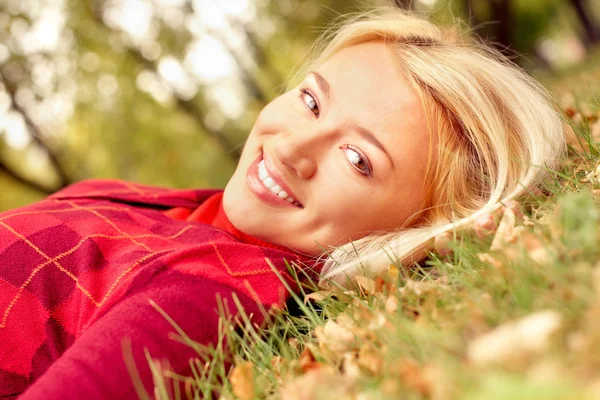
column 298, row 152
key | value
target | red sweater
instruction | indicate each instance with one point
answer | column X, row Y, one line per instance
column 78, row 269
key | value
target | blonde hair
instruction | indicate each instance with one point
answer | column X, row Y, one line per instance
column 496, row 128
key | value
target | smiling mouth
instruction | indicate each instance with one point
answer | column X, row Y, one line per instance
column 273, row 187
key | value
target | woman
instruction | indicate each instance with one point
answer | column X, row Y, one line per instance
column 398, row 132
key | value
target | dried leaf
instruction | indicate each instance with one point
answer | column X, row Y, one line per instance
column 367, row 285
column 506, row 230
column 486, row 258
column 536, row 249
column 393, row 272
column 318, row 296
column 484, row 225
column 514, row 340
column 346, row 321
column 350, row 367
column 308, row 361
column 413, row 376
column 242, row 381
column 391, row 304
column 324, row 383
column 325, row 294
column 370, row 359
column 276, row 363
column 294, row 342
column 421, row 287
column 335, row 337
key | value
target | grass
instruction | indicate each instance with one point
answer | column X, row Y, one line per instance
column 521, row 321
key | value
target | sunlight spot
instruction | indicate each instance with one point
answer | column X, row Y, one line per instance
column 149, row 82
column 133, row 17
column 107, row 85
column 4, row 53
column 90, row 61
column 171, row 70
column 210, row 14
column 230, row 96
column 5, row 103
column 208, row 59
column 16, row 134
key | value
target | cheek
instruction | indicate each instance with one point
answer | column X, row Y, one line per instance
column 272, row 116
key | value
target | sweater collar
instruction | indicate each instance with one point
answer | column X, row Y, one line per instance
column 211, row 212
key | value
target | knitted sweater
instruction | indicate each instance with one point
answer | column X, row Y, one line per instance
column 78, row 272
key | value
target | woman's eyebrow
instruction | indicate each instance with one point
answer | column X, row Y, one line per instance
column 370, row 137
column 322, row 83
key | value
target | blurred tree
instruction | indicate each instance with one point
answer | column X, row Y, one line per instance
column 591, row 34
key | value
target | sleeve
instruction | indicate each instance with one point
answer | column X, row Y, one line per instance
column 94, row 366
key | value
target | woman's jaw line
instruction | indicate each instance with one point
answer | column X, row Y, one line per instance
column 267, row 184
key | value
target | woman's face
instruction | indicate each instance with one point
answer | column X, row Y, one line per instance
column 349, row 145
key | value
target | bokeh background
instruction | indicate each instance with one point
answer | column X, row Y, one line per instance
column 164, row 92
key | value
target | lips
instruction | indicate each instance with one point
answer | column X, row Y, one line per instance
column 258, row 188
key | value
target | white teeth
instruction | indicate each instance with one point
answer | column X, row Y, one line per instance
column 269, row 182
column 263, row 175
column 262, row 170
column 276, row 189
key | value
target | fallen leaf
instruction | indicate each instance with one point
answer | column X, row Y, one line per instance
column 516, row 208
column 335, row 337
column 506, row 230
column 370, row 359
column 324, row 383
column 294, row 342
column 414, row 376
column 486, row 258
column 391, row 304
column 346, row 321
column 367, row 285
column 350, row 367
column 484, row 225
column 515, row 340
column 242, row 381
column 421, row 287
column 318, row 296
column 536, row 250
column 393, row 272
column 308, row 361
column 325, row 294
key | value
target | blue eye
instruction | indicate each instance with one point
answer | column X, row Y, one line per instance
column 357, row 160
column 310, row 101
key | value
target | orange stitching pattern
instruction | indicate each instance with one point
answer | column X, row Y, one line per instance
column 135, row 264
column 72, row 204
column 245, row 273
column 76, row 279
column 136, row 189
column 56, row 211
column 49, row 261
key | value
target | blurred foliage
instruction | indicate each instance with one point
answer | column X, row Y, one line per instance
column 164, row 91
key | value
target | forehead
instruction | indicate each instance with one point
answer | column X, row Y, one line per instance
column 368, row 88
column 370, row 73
